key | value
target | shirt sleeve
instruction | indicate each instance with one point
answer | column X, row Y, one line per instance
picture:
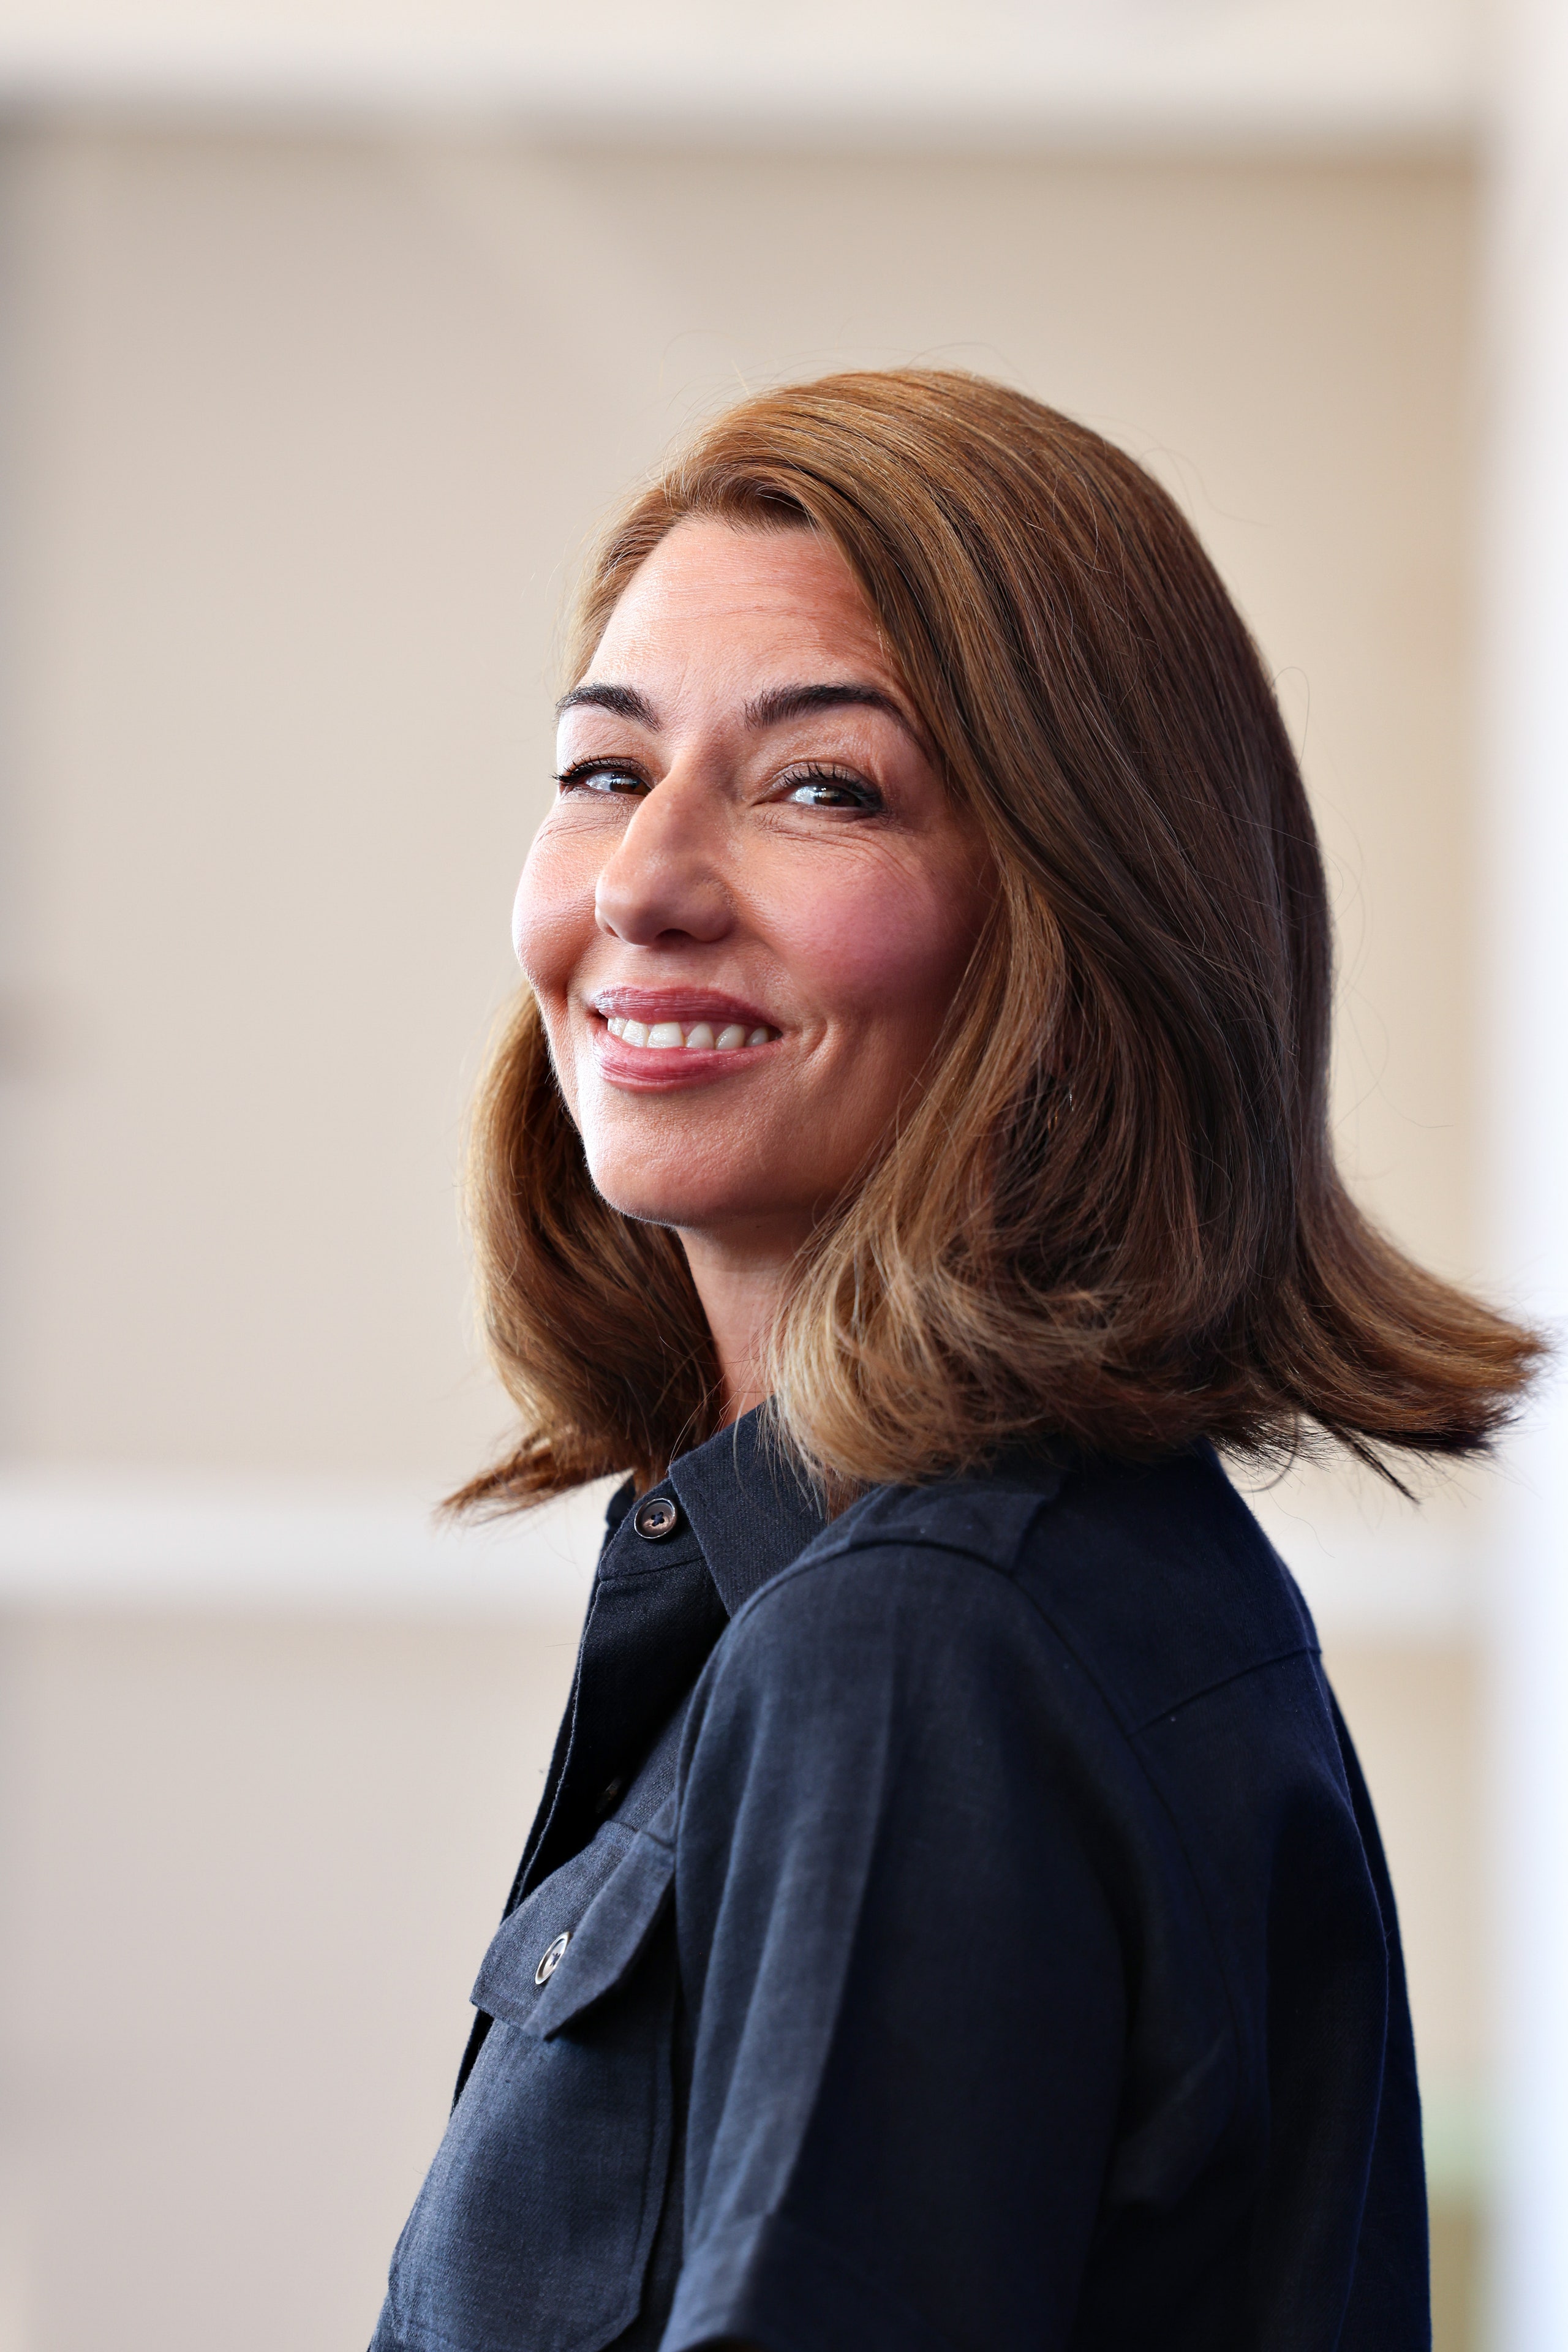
column 903, row 1961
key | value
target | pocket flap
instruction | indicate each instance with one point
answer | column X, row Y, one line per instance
column 605, row 1902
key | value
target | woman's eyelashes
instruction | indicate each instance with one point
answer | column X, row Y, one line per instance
column 813, row 786
column 601, row 776
column 826, row 788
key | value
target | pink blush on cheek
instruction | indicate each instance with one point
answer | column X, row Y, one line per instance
column 879, row 953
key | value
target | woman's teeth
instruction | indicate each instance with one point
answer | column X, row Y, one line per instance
column 694, row 1036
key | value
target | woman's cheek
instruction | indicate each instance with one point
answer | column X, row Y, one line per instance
column 895, row 945
column 553, row 914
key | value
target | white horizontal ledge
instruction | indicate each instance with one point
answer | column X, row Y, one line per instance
column 102, row 1538
column 113, row 1539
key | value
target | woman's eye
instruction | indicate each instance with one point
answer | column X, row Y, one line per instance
column 600, row 776
column 823, row 791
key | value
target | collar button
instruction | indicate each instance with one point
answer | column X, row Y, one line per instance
column 655, row 1518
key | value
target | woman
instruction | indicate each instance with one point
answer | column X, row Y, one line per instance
column 955, row 1918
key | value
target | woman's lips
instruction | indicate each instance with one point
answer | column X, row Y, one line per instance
column 642, row 1039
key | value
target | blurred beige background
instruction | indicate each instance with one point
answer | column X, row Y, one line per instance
column 302, row 437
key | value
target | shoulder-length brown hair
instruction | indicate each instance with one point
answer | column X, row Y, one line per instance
column 1111, row 1214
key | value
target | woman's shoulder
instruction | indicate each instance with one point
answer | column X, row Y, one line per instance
column 1162, row 1582
column 1150, row 1585
column 1102, row 1653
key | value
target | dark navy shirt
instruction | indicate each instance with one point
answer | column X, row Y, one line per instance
column 958, row 1928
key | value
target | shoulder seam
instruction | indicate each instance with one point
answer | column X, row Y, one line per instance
column 811, row 1560
column 891, row 1539
column 1223, row 1682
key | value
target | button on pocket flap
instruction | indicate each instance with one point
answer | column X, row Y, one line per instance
column 510, row 1980
column 577, row 1935
column 613, row 1931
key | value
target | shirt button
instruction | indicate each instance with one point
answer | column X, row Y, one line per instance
column 551, row 1960
column 655, row 1518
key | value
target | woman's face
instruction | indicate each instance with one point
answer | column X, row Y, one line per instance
column 748, row 910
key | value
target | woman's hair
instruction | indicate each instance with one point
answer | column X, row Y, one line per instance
column 1111, row 1214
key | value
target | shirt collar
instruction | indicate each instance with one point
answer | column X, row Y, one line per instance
column 750, row 1508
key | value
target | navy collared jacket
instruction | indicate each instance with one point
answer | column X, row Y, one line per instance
column 957, row 1928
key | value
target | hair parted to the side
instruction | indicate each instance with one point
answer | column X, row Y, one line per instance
column 1112, row 1215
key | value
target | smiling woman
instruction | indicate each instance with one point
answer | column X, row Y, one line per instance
column 753, row 858
column 955, row 1918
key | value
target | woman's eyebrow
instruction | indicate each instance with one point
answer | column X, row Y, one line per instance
column 625, row 701
column 771, row 709
column 782, row 702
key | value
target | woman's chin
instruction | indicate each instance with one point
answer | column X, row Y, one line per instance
column 689, row 1208
column 711, row 1210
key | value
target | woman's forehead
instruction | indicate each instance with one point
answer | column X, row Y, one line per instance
column 715, row 590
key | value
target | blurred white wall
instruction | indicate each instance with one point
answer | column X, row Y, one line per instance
column 304, row 434
column 1074, row 70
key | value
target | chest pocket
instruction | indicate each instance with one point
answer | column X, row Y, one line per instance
column 534, row 2228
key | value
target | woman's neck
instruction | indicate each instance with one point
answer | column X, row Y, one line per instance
column 742, row 1286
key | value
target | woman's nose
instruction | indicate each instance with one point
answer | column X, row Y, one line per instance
column 663, row 878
